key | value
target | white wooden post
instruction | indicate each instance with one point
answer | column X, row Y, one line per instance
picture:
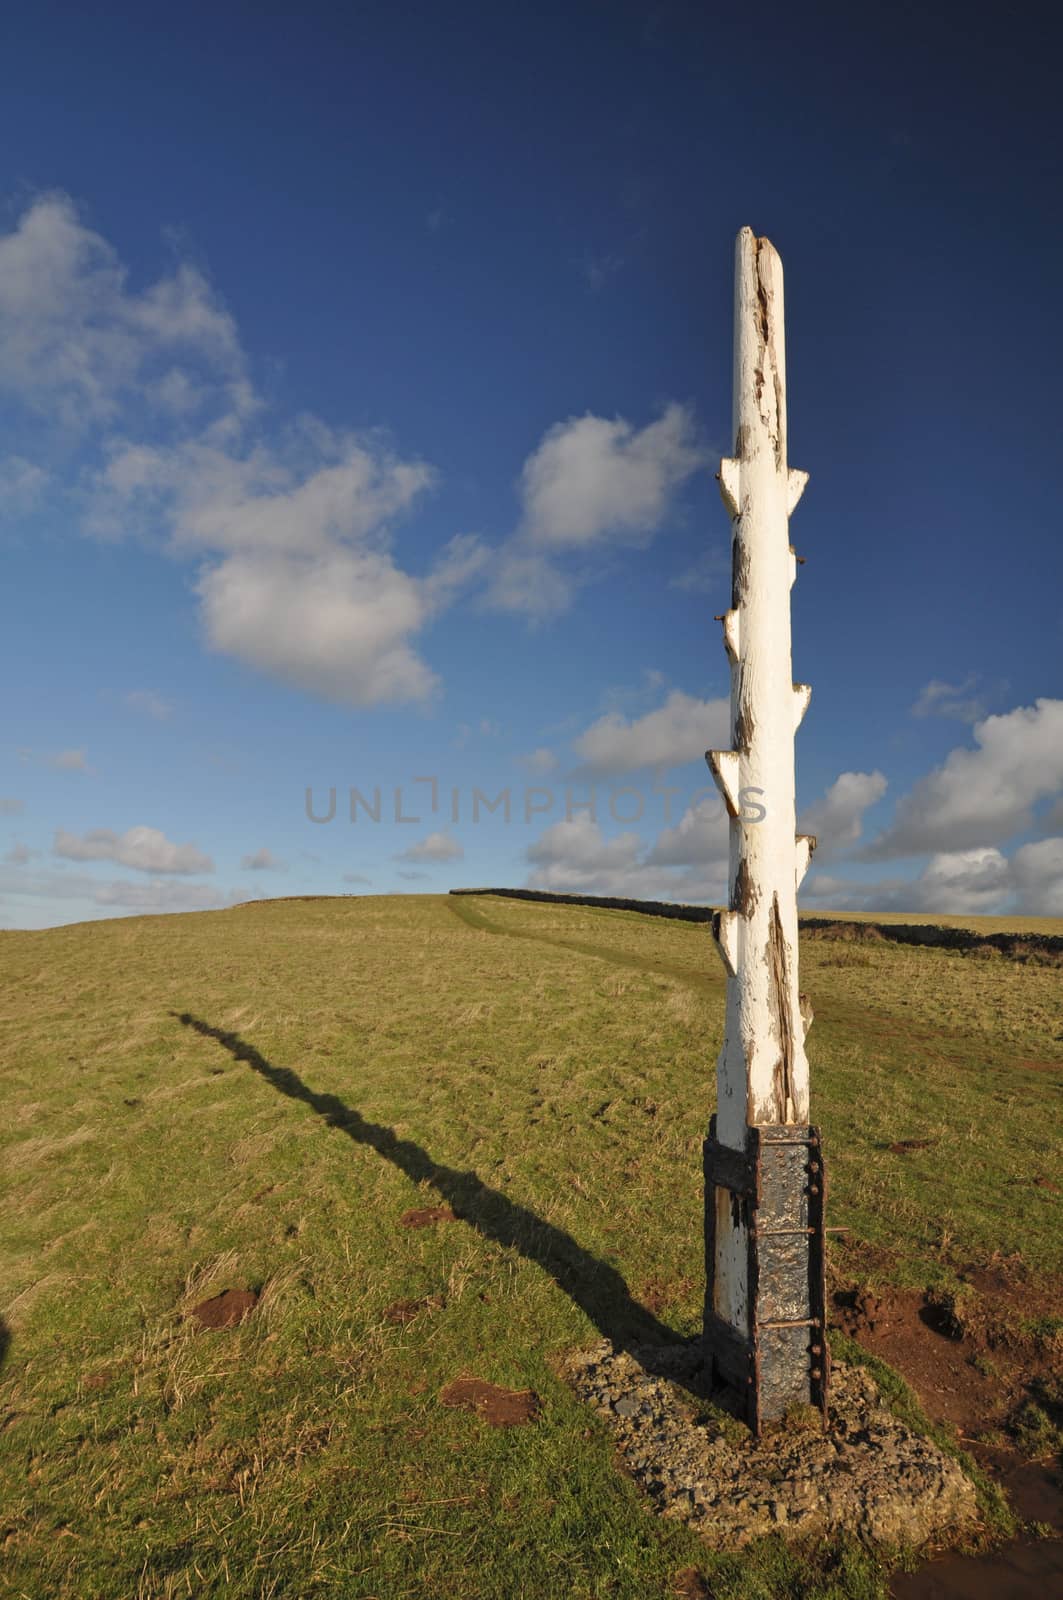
column 762, row 1072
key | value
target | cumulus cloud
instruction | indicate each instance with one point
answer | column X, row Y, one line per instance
column 293, row 526
column 10, row 806
column 155, row 896
column 437, row 847
column 263, row 861
column 145, row 849
column 539, row 762
column 19, row 854
column 979, row 881
column 1037, row 873
column 574, row 857
column 701, row 836
column 593, row 478
column 303, row 586
column 337, row 625
column 679, row 731
column 77, row 888
column 592, row 482
column 150, row 703
column 76, row 342
column 22, row 485
column 982, row 796
column 312, row 488
column 528, row 582
column 837, row 819
column 938, row 699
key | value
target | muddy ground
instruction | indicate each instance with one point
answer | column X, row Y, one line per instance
column 985, row 1359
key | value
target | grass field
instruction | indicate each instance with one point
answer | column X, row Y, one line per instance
column 254, row 1098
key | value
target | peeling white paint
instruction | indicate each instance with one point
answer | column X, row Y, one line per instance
column 762, row 1072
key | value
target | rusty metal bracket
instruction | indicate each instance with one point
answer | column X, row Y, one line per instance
column 778, row 1191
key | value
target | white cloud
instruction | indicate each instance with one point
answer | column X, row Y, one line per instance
column 593, row 478
column 145, row 849
column 263, row 861
column 1037, row 872
column 76, row 343
column 315, row 488
column 577, row 849
column 484, row 729
column 69, row 761
column 539, row 762
column 356, row 877
column 979, row 881
column 77, row 888
column 953, row 883
column 701, row 836
column 152, row 704
column 414, row 877
column 526, row 581
column 159, row 896
column 19, row 854
column 591, row 482
column 679, row 731
column 22, row 485
column 982, row 796
column 294, row 526
column 437, row 847
column 574, row 857
column 10, row 807
column 837, row 819
column 305, row 589
column 938, row 699
column 337, row 625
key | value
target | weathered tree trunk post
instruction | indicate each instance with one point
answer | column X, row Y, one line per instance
column 764, row 1182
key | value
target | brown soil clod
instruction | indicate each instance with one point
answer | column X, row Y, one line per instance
column 902, row 1146
column 502, row 1408
column 400, row 1311
column 424, row 1216
column 226, row 1309
column 688, row 1584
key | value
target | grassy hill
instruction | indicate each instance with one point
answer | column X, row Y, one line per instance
column 257, row 1099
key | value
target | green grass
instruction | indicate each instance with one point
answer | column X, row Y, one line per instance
column 548, row 1071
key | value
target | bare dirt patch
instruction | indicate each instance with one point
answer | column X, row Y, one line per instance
column 226, row 1309
column 688, row 1584
column 502, row 1408
column 425, row 1216
column 401, row 1311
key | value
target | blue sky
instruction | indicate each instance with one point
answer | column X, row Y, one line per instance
column 363, row 374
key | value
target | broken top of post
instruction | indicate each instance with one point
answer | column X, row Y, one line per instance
column 764, row 1314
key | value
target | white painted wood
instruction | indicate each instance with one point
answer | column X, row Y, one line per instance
column 726, row 768
column 762, row 1072
column 806, row 843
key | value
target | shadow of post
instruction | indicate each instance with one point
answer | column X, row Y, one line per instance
column 597, row 1288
